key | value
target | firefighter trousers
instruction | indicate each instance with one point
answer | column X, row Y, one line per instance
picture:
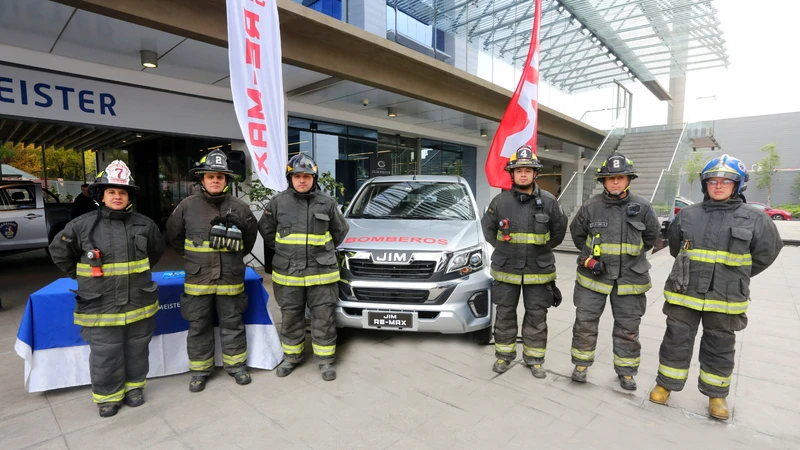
column 536, row 299
column 627, row 310
column 199, row 311
column 321, row 302
column 118, row 358
column 716, row 349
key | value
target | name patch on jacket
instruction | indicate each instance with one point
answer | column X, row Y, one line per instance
column 598, row 225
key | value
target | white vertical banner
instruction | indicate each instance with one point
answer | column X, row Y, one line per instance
column 254, row 53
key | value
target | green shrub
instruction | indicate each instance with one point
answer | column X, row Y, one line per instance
column 793, row 208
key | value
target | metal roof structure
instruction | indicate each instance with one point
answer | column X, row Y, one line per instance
column 587, row 44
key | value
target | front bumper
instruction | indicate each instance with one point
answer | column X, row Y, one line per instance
column 453, row 316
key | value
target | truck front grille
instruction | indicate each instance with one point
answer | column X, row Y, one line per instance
column 417, row 270
column 381, row 295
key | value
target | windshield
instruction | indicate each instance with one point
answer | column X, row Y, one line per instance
column 413, row 200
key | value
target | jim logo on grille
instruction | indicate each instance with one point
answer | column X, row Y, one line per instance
column 391, row 257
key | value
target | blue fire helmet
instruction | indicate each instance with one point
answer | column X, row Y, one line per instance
column 728, row 167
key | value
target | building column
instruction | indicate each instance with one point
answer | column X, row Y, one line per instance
column 572, row 194
column 483, row 192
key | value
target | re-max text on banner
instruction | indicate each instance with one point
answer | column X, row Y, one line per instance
column 254, row 52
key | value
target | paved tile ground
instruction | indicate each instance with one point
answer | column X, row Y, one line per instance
column 411, row 391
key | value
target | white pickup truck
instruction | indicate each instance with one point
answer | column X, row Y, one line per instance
column 415, row 259
column 29, row 216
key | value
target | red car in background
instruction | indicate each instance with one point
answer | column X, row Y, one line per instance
column 776, row 214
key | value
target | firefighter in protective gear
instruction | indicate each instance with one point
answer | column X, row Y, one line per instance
column 213, row 231
column 523, row 225
column 613, row 230
column 304, row 226
column 110, row 253
column 727, row 243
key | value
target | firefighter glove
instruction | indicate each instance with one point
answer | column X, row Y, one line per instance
column 233, row 239
column 218, row 236
column 556, row 295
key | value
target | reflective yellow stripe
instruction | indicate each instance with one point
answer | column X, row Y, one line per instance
column 115, row 397
column 699, row 304
column 505, row 348
column 210, row 289
column 671, row 372
column 716, row 256
column 293, row 349
column 202, row 248
column 505, row 277
column 324, row 350
column 539, row 278
column 528, row 278
column 118, row 319
column 115, row 269
column 129, row 386
column 533, row 351
column 626, row 362
column 617, row 249
column 526, row 238
column 633, row 289
column 303, row 239
column 308, row 280
column 714, row 380
column 201, row 365
column 596, row 286
column 235, row 359
column 582, row 355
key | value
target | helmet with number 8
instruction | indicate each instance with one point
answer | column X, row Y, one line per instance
column 616, row 164
column 727, row 167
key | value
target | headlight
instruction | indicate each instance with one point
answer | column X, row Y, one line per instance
column 466, row 262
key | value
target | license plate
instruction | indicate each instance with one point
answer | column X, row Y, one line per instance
column 395, row 320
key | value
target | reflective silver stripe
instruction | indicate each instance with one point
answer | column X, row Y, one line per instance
column 626, row 362
column 526, row 238
column 509, row 278
column 308, row 280
column 539, row 278
column 718, row 256
column 596, row 286
column 303, row 239
column 533, row 351
column 671, row 372
column 582, row 355
column 633, row 289
column 714, row 380
column 505, row 348
column 699, row 304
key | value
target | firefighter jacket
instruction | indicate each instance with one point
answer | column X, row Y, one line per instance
column 129, row 244
column 208, row 270
column 729, row 242
column 624, row 229
column 304, row 230
column 523, row 229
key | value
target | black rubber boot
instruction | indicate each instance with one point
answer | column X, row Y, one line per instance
column 286, row 368
column 501, row 366
column 241, row 378
column 108, row 409
column 198, row 383
column 627, row 382
column 579, row 374
column 134, row 398
column 538, row 371
column 328, row 372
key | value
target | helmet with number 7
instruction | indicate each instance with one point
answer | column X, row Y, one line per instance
column 614, row 165
column 214, row 162
column 727, row 167
column 116, row 175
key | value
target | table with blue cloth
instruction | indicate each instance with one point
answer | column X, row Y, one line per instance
column 56, row 356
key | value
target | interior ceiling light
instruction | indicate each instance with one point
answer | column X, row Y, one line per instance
column 313, row 126
column 625, row 68
column 575, row 21
column 149, row 59
column 546, row 148
column 484, row 133
column 560, row 9
column 603, row 48
column 618, row 63
column 594, row 39
column 392, row 111
column 584, row 31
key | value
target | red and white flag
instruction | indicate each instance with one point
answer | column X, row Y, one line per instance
column 520, row 121
column 254, row 54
